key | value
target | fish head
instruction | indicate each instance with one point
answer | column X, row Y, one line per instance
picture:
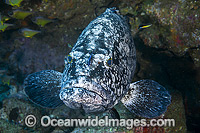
column 82, row 83
column 100, row 66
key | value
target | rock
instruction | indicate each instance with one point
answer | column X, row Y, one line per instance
column 15, row 111
column 175, row 24
column 7, row 127
column 195, row 54
column 35, row 56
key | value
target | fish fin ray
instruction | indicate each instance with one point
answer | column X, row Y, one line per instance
column 114, row 114
column 43, row 88
column 147, row 98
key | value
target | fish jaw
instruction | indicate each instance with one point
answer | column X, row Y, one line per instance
column 83, row 93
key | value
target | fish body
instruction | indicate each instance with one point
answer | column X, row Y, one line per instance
column 5, row 18
column 108, row 36
column 13, row 2
column 69, row 45
column 3, row 26
column 98, row 73
column 42, row 21
column 19, row 14
column 144, row 26
column 28, row 32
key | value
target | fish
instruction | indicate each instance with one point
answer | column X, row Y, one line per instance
column 5, row 18
column 41, row 21
column 3, row 26
column 13, row 2
column 69, row 45
column 142, row 26
column 19, row 14
column 28, row 32
column 98, row 87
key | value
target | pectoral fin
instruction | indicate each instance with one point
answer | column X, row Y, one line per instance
column 43, row 88
column 147, row 98
column 114, row 114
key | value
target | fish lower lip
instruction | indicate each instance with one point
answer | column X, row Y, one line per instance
column 84, row 89
column 78, row 98
column 87, row 84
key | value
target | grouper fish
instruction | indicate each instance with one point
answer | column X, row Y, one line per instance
column 98, row 73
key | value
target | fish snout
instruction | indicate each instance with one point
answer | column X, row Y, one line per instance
column 80, row 98
column 86, row 94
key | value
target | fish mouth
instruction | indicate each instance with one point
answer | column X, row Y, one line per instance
column 84, row 93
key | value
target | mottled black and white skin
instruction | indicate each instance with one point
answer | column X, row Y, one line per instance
column 98, row 73
column 97, row 87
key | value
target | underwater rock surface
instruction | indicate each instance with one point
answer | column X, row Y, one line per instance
column 175, row 24
column 15, row 110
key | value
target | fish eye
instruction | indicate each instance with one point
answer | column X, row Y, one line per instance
column 109, row 62
column 69, row 59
